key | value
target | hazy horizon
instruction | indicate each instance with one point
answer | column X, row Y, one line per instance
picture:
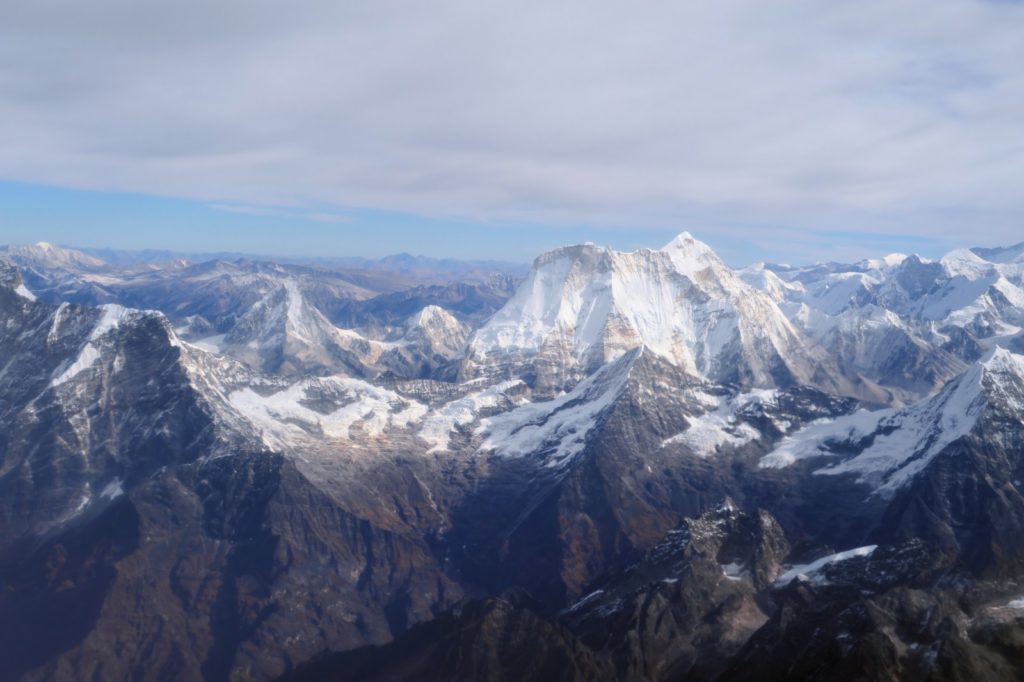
column 796, row 133
column 313, row 258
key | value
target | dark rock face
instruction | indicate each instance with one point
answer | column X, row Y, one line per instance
column 220, row 569
column 968, row 502
column 893, row 616
column 479, row 640
column 690, row 603
column 61, row 579
column 219, row 565
column 678, row 612
column 64, row 443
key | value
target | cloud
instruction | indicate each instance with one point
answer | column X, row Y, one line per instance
column 326, row 218
column 740, row 116
column 281, row 212
column 242, row 209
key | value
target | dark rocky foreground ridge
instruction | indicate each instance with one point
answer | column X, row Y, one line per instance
column 709, row 603
column 169, row 510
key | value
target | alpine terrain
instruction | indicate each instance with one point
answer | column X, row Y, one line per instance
column 642, row 466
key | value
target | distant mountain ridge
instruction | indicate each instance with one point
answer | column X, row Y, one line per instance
column 401, row 263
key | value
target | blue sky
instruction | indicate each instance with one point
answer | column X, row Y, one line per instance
column 794, row 132
column 30, row 213
column 84, row 218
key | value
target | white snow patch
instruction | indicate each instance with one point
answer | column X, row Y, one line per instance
column 690, row 256
column 86, row 358
column 113, row 489
column 113, row 316
column 720, row 427
column 440, row 424
column 733, row 571
column 558, row 428
column 211, row 344
column 281, row 417
column 814, row 439
column 23, row 291
column 966, row 263
column 82, row 504
column 811, row 571
column 582, row 601
column 918, row 433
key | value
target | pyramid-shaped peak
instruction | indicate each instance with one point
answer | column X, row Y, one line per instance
column 282, row 309
column 434, row 319
column 691, row 255
column 684, row 241
column 431, row 314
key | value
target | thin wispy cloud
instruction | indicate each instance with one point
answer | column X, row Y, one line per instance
column 878, row 116
column 242, row 209
column 326, row 217
column 278, row 212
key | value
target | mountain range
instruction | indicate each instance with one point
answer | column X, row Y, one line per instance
column 614, row 466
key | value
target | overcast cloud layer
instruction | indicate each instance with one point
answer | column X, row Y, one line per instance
column 877, row 115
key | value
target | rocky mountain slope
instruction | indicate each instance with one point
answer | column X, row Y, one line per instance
column 136, row 502
column 643, row 466
column 714, row 600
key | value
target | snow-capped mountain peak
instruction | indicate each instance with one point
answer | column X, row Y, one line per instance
column 691, row 256
column 436, row 331
column 46, row 256
column 432, row 317
column 583, row 306
column 885, row 262
column 905, row 324
column 966, row 263
column 283, row 332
